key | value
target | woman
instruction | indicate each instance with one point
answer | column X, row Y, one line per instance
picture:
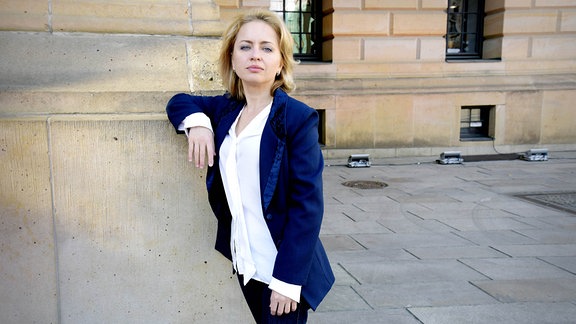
column 264, row 178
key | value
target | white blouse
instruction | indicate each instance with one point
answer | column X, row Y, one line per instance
column 253, row 250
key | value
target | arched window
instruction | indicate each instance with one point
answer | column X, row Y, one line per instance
column 304, row 20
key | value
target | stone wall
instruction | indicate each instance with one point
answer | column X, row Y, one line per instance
column 102, row 219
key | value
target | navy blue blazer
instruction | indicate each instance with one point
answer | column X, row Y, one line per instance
column 291, row 166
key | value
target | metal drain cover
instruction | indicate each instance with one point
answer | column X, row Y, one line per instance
column 365, row 184
column 565, row 201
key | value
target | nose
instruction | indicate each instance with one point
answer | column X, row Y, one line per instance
column 256, row 55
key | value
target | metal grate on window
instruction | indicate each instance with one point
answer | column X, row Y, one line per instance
column 464, row 35
column 301, row 18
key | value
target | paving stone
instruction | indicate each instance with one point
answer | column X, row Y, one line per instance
column 495, row 237
column 369, row 256
column 395, row 272
column 430, row 293
column 516, row 268
column 396, row 316
column 455, row 252
column 415, row 225
column 548, row 236
column 342, row 224
column 566, row 263
column 391, row 241
column 484, row 223
column 340, row 243
column 535, row 250
column 536, row 290
column 526, row 313
column 343, row 298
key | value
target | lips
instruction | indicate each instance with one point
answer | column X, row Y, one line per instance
column 254, row 68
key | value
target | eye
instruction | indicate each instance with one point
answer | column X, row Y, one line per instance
column 244, row 47
column 267, row 49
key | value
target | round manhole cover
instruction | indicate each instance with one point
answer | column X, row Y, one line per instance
column 365, row 184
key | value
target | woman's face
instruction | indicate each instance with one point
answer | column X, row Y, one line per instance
column 256, row 55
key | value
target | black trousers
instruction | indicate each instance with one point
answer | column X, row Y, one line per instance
column 257, row 295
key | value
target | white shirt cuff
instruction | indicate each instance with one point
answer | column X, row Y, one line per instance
column 193, row 120
column 289, row 290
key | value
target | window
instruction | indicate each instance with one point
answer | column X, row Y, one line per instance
column 477, row 123
column 304, row 20
column 321, row 126
column 464, row 34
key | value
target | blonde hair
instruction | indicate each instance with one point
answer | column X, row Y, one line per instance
column 284, row 80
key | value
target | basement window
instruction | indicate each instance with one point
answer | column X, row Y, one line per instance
column 322, row 126
column 477, row 123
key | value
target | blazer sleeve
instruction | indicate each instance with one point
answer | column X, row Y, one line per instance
column 182, row 105
column 305, row 204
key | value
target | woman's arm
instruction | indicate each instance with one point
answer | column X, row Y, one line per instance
column 188, row 114
column 305, row 202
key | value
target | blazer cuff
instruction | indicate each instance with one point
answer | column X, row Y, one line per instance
column 289, row 290
column 194, row 120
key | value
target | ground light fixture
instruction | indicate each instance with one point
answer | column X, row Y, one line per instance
column 450, row 157
column 359, row 161
column 535, row 155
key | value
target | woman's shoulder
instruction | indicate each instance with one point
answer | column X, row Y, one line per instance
column 194, row 97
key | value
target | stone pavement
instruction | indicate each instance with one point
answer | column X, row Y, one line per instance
column 452, row 243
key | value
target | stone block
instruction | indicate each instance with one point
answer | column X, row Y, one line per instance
column 434, row 118
column 395, row 116
column 391, row 4
column 568, row 21
column 256, row 3
column 228, row 3
column 347, row 4
column 120, row 17
column 523, row 122
column 563, row 47
column 429, row 23
column 203, row 55
column 361, row 23
column 134, row 231
column 390, row 49
column 432, row 49
column 516, row 48
column 355, row 123
column 28, row 275
column 557, row 122
column 93, row 63
column 494, row 25
column 555, row 3
column 530, row 22
column 347, row 49
column 517, row 4
column 434, row 4
column 495, row 5
column 24, row 15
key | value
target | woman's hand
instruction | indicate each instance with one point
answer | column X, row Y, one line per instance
column 280, row 304
column 200, row 146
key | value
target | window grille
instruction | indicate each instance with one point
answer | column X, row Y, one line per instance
column 464, row 34
column 304, row 20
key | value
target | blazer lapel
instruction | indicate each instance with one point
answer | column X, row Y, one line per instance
column 225, row 122
column 272, row 147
